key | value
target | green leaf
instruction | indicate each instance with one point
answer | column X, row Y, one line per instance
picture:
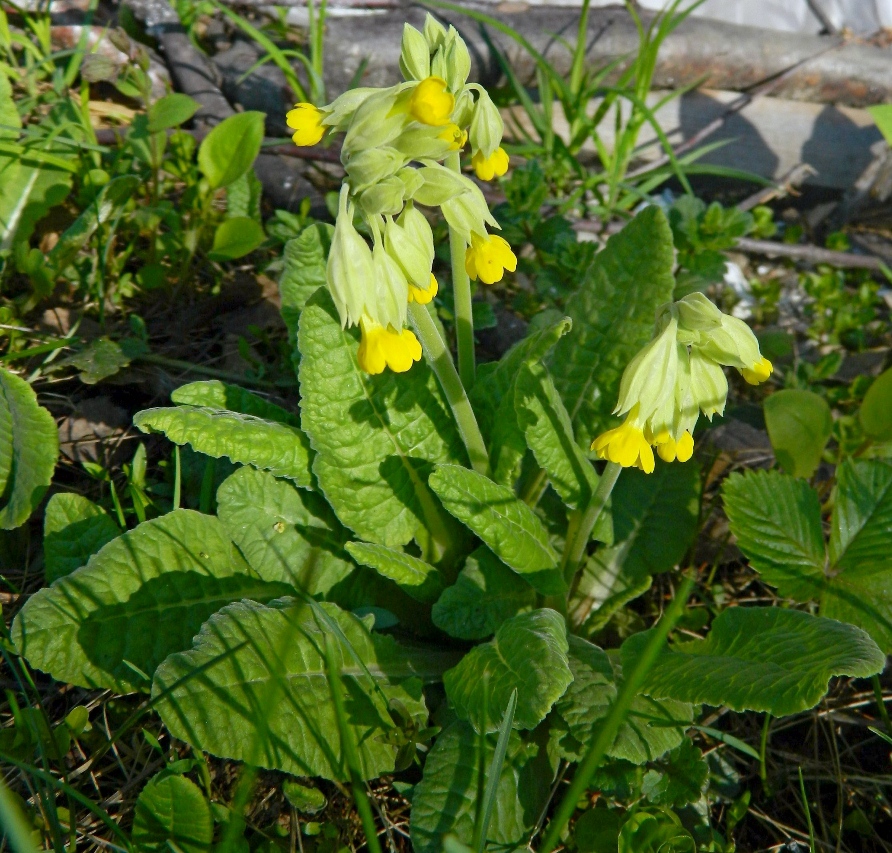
column 680, row 779
column 74, row 528
column 613, row 314
column 655, row 520
column 655, row 831
column 98, row 360
column 236, row 237
column 506, row 525
column 220, row 395
column 493, row 399
column 549, row 434
column 376, row 437
column 597, row 830
column 882, row 116
column 244, row 197
column 419, row 579
column 254, row 688
column 281, row 449
column 443, row 802
column 777, row 522
column 171, row 111
column 29, row 447
column 799, row 425
column 876, row 410
column 857, row 588
column 647, row 731
column 486, row 594
column 172, row 813
column 285, row 533
column 231, row 148
column 143, row 596
column 527, row 654
column 759, row 659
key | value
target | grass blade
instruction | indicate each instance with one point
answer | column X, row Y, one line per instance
column 495, row 774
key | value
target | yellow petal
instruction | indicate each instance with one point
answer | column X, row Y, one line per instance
column 685, row 447
column 431, row 102
column 306, row 121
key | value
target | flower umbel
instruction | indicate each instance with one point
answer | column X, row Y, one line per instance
column 306, row 121
column 626, row 445
column 431, row 102
column 382, row 348
column 494, row 166
column 488, row 257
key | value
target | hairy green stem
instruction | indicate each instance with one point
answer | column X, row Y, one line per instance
column 441, row 362
column 580, row 530
column 763, row 749
column 461, row 288
column 611, row 724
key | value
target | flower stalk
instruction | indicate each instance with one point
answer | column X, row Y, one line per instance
column 441, row 363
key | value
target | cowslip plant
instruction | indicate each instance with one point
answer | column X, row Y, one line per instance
column 421, row 541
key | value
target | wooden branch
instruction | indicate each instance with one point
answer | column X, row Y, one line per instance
column 810, row 254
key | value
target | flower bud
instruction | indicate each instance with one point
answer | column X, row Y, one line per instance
column 440, row 185
column 384, row 198
column 434, row 32
column 486, row 125
column 350, row 271
column 376, row 121
column 409, row 241
column 732, row 344
column 415, row 58
column 452, row 61
column 697, row 313
column 372, row 166
column 468, row 213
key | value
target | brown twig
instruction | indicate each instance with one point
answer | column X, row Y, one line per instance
column 784, row 187
column 810, row 254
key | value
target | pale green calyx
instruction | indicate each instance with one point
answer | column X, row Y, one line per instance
column 410, row 241
column 350, row 269
column 468, row 213
column 392, row 290
column 486, row 125
column 732, row 344
column 649, row 379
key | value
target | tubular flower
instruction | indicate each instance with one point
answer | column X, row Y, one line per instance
column 421, row 295
column 382, row 348
column 494, row 166
column 626, row 445
column 455, row 136
column 488, row 257
column 306, row 121
column 669, row 449
column 431, row 102
column 759, row 372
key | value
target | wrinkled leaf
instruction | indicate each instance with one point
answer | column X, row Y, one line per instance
column 219, row 395
column 419, row 579
column 171, row 812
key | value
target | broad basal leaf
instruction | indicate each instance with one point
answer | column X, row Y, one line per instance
column 419, row 579
column 654, row 522
column 876, row 410
column 143, row 596
column 777, row 522
column 74, row 528
column 759, row 659
column 220, row 395
column 443, row 802
column 859, row 583
column 486, row 593
column 254, row 688
column 172, row 813
column 549, row 434
column 376, row 437
column 527, row 654
column 613, row 314
column 303, row 273
column 281, row 449
column 647, row 731
column 29, row 447
column 285, row 533
column 507, row 526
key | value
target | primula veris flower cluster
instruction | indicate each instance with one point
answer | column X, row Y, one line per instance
column 677, row 377
column 394, row 143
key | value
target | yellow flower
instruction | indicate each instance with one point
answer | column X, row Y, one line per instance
column 422, row 296
column 669, row 449
column 626, row 445
column 759, row 372
column 490, row 167
column 488, row 257
column 382, row 348
column 431, row 102
column 306, row 121
column 455, row 136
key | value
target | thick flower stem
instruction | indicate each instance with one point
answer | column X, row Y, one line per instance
column 578, row 534
column 461, row 288
column 441, row 362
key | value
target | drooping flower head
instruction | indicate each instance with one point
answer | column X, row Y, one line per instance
column 395, row 141
column 676, row 377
